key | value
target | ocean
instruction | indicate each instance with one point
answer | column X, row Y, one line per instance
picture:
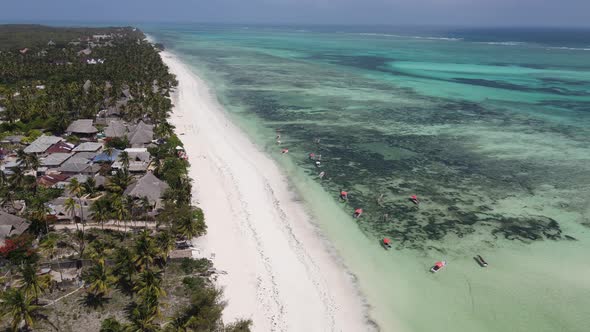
column 490, row 128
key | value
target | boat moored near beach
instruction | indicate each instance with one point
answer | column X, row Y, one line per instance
column 438, row 266
column 480, row 261
column 386, row 243
column 357, row 213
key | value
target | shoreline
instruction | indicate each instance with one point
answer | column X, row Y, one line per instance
column 280, row 271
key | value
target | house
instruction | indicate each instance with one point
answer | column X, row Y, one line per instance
column 24, row 50
column 141, row 134
column 9, row 166
column 105, row 158
column 94, row 61
column 60, row 147
column 85, row 51
column 74, row 168
column 116, row 128
column 103, row 36
column 86, row 85
column 88, row 147
column 55, row 159
column 51, row 180
column 88, row 155
column 51, row 43
column 42, row 144
column 148, row 186
column 11, row 225
column 76, row 160
column 13, row 139
column 59, row 210
column 82, row 127
column 139, row 160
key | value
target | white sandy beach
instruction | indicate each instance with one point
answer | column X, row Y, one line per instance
column 280, row 272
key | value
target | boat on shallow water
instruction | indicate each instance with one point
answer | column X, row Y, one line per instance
column 438, row 266
column 386, row 243
column 481, row 261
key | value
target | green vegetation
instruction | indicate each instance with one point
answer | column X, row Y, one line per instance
column 127, row 280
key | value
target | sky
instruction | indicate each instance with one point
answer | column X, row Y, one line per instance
column 392, row 12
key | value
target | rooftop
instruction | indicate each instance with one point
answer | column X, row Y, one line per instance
column 55, row 159
column 11, row 225
column 82, row 126
column 60, row 147
column 42, row 143
column 116, row 129
column 141, row 134
column 88, row 147
column 148, row 186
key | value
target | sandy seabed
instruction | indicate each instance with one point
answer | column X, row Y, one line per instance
column 279, row 271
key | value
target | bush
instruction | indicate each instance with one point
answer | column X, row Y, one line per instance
column 189, row 265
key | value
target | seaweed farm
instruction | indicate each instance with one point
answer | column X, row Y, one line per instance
column 494, row 139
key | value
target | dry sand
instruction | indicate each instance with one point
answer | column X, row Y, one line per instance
column 281, row 273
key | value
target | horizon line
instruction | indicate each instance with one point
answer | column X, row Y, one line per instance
column 80, row 22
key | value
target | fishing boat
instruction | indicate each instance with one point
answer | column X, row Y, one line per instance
column 386, row 243
column 481, row 261
column 357, row 213
column 438, row 266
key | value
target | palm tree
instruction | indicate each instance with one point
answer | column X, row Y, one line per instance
column 145, row 250
column 164, row 129
column 99, row 279
column 119, row 182
column 48, row 246
column 89, row 187
column 190, row 222
column 166, row 242
column 30, row 161
column 31, row 283
column 77, row 189
column 141, row 317
column 124, row 268
column 100, row 211
column 121, row 211
column 109, row 151
column 124, row 157
column 16, row 305
column 70, row 206
column 3, row 179
column 18, row 179
column 80, row 240
column 148, row 284
column 98, row 250
column 146, row 207
column 111, row 324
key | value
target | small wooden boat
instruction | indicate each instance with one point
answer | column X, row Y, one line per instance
column 481, row 261
column 386, row 243
column 438, row 266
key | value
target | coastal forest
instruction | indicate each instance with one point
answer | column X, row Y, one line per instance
column 96, row 213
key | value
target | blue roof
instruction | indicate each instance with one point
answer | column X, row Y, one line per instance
column 103, row 157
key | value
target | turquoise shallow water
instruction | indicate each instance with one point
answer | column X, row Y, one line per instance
column 490, row 128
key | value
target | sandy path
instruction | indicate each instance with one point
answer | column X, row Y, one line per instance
column 280, row 273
